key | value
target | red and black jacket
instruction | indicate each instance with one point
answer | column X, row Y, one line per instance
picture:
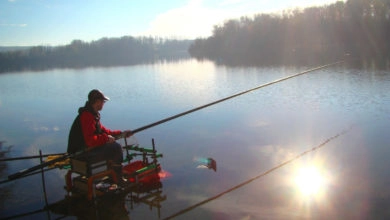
column 87, row 131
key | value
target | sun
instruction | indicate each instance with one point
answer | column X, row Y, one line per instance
column 310, row 181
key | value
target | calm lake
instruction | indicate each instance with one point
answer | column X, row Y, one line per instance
column 342, row 111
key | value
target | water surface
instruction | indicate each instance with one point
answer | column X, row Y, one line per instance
column 247, row 136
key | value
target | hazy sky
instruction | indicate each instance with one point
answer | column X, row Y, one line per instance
column 58, row 22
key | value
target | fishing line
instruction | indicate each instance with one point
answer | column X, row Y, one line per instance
column 259, row 176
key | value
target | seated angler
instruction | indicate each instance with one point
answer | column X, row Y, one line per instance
column 88, row 133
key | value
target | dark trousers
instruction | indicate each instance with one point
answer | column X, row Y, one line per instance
column 110, row 151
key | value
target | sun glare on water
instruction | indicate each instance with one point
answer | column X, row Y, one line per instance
column 310, row 181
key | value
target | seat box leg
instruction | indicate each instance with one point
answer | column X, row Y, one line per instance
column 68, row 181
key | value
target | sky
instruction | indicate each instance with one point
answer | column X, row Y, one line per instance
column 58, row 22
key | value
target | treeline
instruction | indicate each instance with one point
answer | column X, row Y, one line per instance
column 360, row 28
column 313, row 35
column 103, row 52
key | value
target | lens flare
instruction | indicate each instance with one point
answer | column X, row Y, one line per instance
column 164, row 174
column 208, row 163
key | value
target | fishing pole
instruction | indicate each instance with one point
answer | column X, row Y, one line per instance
column 29, row 174
column 183, row 211
column 29, row 157
column 66, row 155
column 233, row 96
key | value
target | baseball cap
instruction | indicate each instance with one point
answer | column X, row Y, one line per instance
column 96, row 94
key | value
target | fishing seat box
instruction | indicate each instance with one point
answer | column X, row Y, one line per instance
column 87, row 168
column 89, row 172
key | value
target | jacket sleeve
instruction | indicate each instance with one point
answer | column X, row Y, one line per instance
column 110, row 132
column 88, row 127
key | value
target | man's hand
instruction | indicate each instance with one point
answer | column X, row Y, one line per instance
column 127, row 133
column 111, row 139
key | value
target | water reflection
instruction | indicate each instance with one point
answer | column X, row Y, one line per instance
column 246, row 136
column 114, row 206
column 5, row 190
column 310, row 181
column 3, row 153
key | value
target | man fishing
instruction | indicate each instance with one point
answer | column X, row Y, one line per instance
column 87, row 133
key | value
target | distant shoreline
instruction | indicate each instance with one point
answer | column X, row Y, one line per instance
column 13, row 48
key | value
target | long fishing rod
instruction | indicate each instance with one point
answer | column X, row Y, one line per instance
column 183, row 211
column 29, row 157
column 29, row 174
column 233, row 96
column 66, row 156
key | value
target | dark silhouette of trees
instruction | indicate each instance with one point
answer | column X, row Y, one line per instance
column 104, row 52
column 313, row 35
column 309, row 36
